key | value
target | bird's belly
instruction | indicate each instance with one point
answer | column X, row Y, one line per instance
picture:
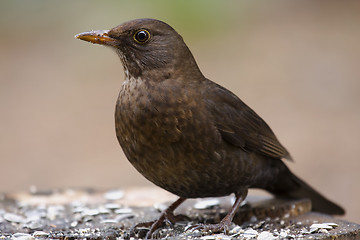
column 190, row 167
column 178, row 149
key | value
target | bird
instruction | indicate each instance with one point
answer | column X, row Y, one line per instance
column 188, row 134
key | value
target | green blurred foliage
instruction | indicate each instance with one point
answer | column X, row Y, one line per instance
column 196, row 17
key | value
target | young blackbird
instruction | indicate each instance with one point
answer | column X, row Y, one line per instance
column 187, row 134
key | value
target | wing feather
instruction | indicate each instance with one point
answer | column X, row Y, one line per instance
column 240, row 126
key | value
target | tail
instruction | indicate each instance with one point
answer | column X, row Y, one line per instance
column 290, row 186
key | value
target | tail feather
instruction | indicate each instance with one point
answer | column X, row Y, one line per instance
column 318, row 201
column 290, row 186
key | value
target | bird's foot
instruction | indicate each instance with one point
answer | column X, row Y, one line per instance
column 222, row 226
column 172, row 219
column 167, row 217
column 140, row 229
column 144, row 224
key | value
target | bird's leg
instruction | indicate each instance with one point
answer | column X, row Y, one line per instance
column 167, row 215
column 224, row 224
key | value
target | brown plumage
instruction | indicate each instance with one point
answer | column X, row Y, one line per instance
column 188, row 134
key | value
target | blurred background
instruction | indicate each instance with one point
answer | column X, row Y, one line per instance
column 296, row 63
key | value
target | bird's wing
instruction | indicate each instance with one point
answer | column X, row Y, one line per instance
column 239, row 125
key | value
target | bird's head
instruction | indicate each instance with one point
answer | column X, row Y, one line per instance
column 145, row 46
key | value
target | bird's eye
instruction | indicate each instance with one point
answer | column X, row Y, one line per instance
column 142, row 36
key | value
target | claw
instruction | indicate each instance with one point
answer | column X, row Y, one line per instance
column 167, row 216
column 144, row 225
column 223, row 226
column 225, row 223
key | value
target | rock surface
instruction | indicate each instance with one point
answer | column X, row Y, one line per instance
column 90, row 214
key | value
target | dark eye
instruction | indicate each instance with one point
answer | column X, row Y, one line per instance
column 142, row 36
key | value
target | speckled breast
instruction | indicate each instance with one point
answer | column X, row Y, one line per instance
column 164, row 133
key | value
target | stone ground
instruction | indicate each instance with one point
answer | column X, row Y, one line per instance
column 90, row 214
